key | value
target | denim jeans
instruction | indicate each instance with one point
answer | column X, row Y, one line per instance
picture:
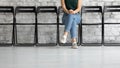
column 71, row 21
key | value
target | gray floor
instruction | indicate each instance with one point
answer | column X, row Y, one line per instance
column 59, row 57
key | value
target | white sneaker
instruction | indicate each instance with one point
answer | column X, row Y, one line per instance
column 63, row 39
column 74, row 45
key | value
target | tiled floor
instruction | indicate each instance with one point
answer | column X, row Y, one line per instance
column 60, row 57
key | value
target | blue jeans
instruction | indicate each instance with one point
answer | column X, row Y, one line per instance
column 71, row 21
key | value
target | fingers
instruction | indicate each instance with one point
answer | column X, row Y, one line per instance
column 71, row 11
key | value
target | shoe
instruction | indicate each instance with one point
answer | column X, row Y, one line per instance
column 63, row 39
column 74, row 45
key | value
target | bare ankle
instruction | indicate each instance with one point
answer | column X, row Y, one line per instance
column 74, row 40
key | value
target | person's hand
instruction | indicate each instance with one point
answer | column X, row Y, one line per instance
column 71, row 11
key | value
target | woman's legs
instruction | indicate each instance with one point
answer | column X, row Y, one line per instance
column 68, row 23
column 71, row 21
column 68, row 20
column 73, row 32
